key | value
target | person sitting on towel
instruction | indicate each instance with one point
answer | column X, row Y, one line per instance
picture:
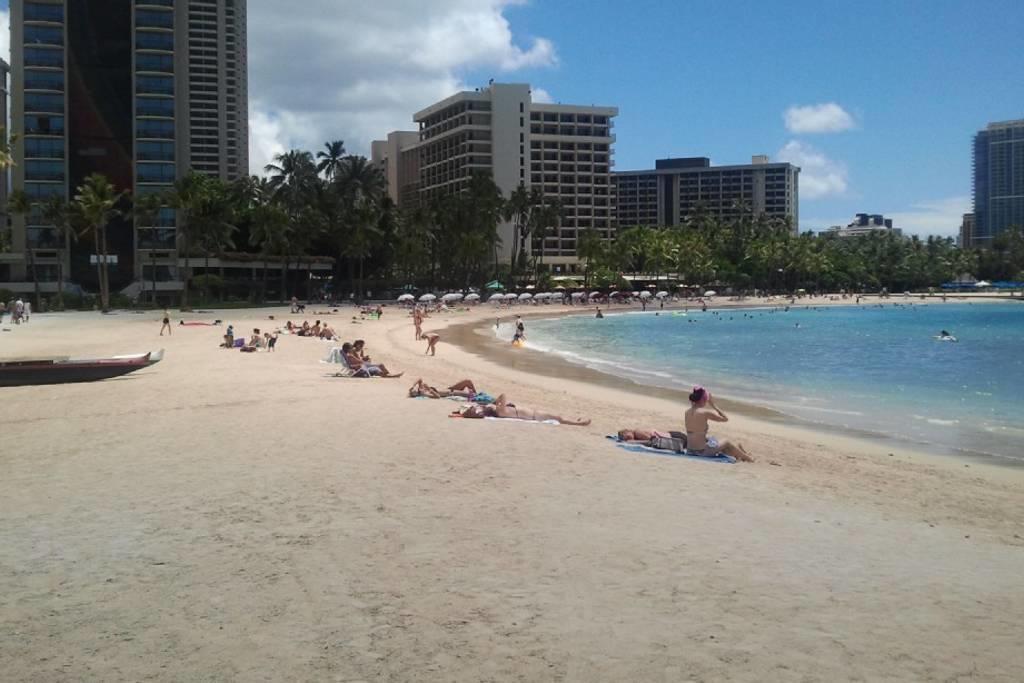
column 503, row 409
column 703, row 409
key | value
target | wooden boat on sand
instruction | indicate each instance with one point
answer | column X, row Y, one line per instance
column 19, row 373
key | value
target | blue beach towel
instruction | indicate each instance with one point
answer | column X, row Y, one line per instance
column 636, row 447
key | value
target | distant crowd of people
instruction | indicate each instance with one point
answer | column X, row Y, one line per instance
column 19, row 310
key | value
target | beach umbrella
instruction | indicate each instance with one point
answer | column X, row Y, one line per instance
column 645, row 295
column 427, row 297
column 635, row 293
column 982, row 283
column 710, row 292
column 451, row 296
column 525, row 295
column 661, row 295
column 560, row 288
column 541, row 295
column 511, row 297
column 496, row 299
column 530, row 287
column 577, row 295
column 406, row 297
column 494, row 284
column 472, row 297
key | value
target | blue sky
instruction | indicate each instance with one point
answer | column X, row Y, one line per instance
column 713, row 79
column 901, row 85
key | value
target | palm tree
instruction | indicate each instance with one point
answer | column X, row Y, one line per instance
column 267, row 230
column 97, row 201
column 291, row 176
column 590, row 248
column 330, row 159
column 145, row 211
column 19, row 204
column 58, row 213
column 366, row 213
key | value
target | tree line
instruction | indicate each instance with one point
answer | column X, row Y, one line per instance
column 336, row 204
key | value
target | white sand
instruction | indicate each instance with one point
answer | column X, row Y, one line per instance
column 226, row 516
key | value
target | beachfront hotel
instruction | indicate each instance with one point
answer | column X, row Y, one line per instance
column 674, row 189
column 141, row 91
column 565, row 150
column 998, row 181
column 864, row 224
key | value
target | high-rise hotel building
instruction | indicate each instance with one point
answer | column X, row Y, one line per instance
column 998, row 180
column 676, row 188
column 565, row 150
column 140, row 91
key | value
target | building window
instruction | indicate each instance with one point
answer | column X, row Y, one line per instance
column 157, row 238
column 159, row 85
column 163, row 130
column 163, row 273
column 43, row 35
column 44, row 80
column 155, row 151
column 40, row 11
column 43, row 191
column 154, row 18
column 153, row 40
column 44, row 102
column 41, row 124
column 149, row 61
column 44, row 170
column 160, row 3
column 41, row 56
column 154, row 106
column 44, row 148
column 156, row 173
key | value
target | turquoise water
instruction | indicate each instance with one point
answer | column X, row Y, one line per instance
column 864, row 368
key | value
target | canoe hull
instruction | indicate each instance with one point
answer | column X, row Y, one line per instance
column 40, row 372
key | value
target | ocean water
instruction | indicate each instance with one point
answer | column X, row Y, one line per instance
column 873, row 369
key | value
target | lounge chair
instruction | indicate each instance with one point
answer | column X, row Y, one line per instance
column 335, row 356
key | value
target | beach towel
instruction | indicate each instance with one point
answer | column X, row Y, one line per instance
column 639, row 447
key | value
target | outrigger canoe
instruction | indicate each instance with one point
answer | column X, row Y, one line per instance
column 19, row 373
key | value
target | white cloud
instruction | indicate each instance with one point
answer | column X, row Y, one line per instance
column 818, row 118
column 541, row 95
column 5, row 35
column 932, row 217
column 819, row 175
column 321, row 70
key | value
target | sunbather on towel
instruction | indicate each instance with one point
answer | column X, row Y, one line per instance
column 702, row 410
column 465, row 389
column 643, row 435
column 503, row 409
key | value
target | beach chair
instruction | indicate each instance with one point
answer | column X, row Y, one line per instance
column 336, row 357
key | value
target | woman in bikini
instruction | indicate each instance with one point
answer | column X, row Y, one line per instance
column 503, row 409
column 702, row 410
column 167, row 324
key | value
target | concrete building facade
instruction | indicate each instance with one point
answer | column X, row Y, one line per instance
column 676, row 188
column 565, row 150
column 140, row 91
column 865, row 224
column 398, row 158
column 998, row 180
column 966, row 239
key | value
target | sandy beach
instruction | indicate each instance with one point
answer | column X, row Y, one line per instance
column 247, row 517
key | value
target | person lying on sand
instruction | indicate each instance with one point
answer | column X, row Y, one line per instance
column 642, row 434
column 503, row 409
column 356, row 363
column 703, row 409
column 465, row 389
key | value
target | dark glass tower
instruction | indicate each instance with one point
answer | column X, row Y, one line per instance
column 998, row 180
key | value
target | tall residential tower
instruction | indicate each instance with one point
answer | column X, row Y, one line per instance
column 998, row 180
column 141, row 91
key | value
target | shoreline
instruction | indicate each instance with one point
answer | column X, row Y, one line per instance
column 477, row 338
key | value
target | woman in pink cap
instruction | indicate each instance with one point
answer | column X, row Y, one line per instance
column 702, row 410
